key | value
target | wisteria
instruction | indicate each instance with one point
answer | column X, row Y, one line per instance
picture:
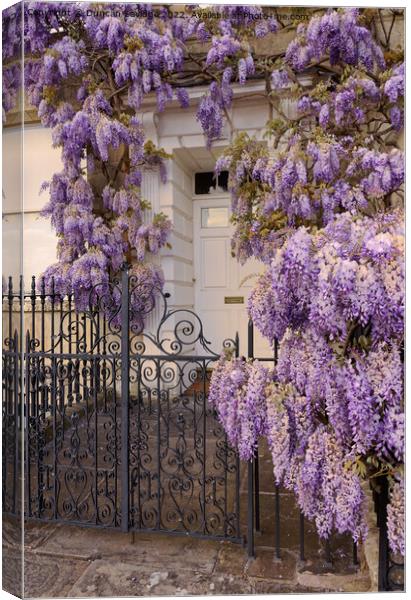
column 347, row 274
column 322, row 206
column 237, row 394
column 111, row 63
column 317, row 197
column 11, row 83
column 396, row 516
column 327, row 490
column 339, row 36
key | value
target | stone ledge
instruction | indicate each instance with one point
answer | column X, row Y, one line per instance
column 338, row 583
column 265, row 566
column 368, row 555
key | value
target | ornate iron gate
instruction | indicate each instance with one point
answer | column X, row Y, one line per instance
column 96, row 378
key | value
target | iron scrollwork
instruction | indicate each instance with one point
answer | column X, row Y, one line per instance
column 182, row 475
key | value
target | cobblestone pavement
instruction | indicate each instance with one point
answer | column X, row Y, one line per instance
column 70, row 561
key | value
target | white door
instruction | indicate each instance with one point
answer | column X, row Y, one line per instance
column 220, row 290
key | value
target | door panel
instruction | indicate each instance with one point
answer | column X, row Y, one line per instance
column 214, row 252
column 222, row 285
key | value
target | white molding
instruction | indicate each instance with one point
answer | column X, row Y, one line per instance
column 150, row 121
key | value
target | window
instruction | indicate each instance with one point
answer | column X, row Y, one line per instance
column 214, row 217
column 208, row 183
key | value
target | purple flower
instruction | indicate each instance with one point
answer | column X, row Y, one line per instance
column 339, row 35
column 396, row 517
column 396, row 118
column 210, row 116
column 183, row 97
column 242, row 71
column 394, row 86
column 237, row 392
column 280, row 79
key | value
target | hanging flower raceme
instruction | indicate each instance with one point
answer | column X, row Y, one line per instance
column 308, row 460
column 11, row 81
column 210, row 110
column 305, row 184
column 99, row 244
column 237, row 392
column 351, row 272
column 221, row 48
column 66, row 57
column 394, row 91
column 347, row 106
column 289, row 282
column 396, row 516
column 150, row 238
column 339, row 35
column 321, row 210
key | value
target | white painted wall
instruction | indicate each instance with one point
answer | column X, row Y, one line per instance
column 177, row 262
column 29, row 244
column 12, row 203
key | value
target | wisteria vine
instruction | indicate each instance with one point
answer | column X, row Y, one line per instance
column 321, row 204
column 87, row 73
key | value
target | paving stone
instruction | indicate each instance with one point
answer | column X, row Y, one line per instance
column 11, row 532
column 11, row 571
column 335, row 582
column 231, row 559
column 36, row 534
column 262, row 586
column 74, row 543
column 266, row 566
column 108, row 564
column 46, row 577
column 105, row 578
column 86, row 544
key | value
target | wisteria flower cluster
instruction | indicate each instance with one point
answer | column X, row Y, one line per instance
column 346, row 275
column 309, row 461
column 339, row 36
column 237, row 392
column 310, row 182
column 360, row 394
column 396, row 516
column 338, row 153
